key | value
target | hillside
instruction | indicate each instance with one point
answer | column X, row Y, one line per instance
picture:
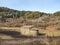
column 14, row 18
column 42, row 21
column 29, row 27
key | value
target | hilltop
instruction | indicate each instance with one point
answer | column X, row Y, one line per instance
column 11, row 13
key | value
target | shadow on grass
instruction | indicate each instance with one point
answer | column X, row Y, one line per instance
column 14, row 34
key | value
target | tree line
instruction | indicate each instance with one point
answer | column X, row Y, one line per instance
column 11, row 13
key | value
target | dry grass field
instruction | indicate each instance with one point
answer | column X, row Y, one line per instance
column 32, row 41
column 48, row 32
column 52, row 37
column 50, row 27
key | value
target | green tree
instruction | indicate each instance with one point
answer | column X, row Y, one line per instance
column 57, row 13
column 32, row 15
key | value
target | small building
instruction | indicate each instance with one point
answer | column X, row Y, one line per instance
column 26, row 31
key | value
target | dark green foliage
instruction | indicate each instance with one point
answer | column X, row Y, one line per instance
column 57, row 13
column 11, row 13
column 32, row 15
